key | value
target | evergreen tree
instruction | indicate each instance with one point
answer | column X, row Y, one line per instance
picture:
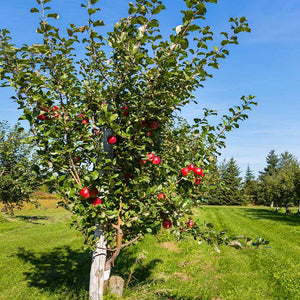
column 229, row 191
column 272, row 165
column 250, row 186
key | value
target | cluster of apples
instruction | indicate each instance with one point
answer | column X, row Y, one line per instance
column 197, row 171
column 48, row 113
column 92, row 194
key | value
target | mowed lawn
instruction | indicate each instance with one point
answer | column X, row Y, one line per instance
column 41, row 257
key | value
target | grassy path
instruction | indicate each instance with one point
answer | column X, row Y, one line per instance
column 41, row 258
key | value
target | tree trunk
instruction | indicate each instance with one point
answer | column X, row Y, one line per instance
column 298, row 208
column 98, row 274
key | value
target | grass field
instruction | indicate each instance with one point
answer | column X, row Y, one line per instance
column 42, row 258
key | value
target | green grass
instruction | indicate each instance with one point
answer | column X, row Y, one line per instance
column 42, row 258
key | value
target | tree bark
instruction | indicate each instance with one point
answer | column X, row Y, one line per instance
column 98, row 274
column 299, row 208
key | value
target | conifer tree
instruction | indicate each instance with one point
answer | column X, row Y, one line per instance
column 250, row 186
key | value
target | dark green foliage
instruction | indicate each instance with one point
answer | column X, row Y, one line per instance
column 272, row 165
column 279, row 183
column 229, row 187
column 17, row 178
column 250, row 187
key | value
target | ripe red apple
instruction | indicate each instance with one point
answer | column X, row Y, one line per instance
column 142, row 162
column 150, row 156
column 197, row 181
column 162, row 196
column 190, row 223
column 85, row 193
column 94, row 193
column 153, row 125
column 96, row 201
column 54, row 108
column 156, row 160
column 198, row 171
column 85, row 121
column 185, row 171
column 191, row 167
column 149, row 133
column 203, row 174
column 96, row 131
column 41, row 117
column 167, row 223
column 77, row 158
column 125, row 111
column 111, row 139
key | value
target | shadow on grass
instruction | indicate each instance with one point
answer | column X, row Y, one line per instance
column 62, row 271
column 65, row 271
column 32, row 219
column 289, row 219
column 133, row 264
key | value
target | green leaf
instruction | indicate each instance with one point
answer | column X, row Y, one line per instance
column 34, row 10
column 98, row 23
column 53, row 15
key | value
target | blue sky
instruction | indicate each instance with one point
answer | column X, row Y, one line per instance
column 265, row 64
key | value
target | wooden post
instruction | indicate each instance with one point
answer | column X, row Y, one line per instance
column 100, row 270
column 98, row 274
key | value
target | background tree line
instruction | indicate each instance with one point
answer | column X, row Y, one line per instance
column 277, row 185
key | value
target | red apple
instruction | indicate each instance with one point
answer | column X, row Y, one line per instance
column 143, row 123
column 85, row 121
column 162, row 196
column 125, row 111
column 96, row 201
column 142, row 162
column 149, row 133
column 203, row 175
column 198, row 171
column 54, row 108
column 185, row 171
column 85, row 193
column 156, row 160
column 127, row 176
column 111, row 139
column 41, row 117
column 96, row 131
column 191, row 167
column 167, row 223
column 190, row 223
column 150, row 156
column 153, row 125
column 197, row 181
column 94, row 193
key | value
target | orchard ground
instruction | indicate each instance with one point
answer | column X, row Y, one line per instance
column 42, row 258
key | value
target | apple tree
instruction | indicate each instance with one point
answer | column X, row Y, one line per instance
column 17, row 177
column 104, row 123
